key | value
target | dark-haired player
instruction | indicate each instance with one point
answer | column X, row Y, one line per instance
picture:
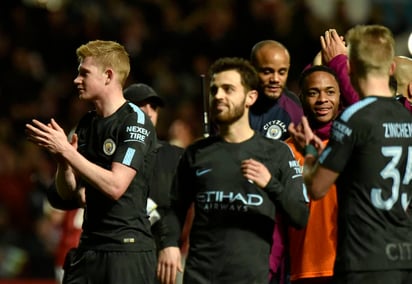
column 237, row 181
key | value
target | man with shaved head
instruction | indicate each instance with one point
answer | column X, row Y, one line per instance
column 403, row 76
column 276, row 106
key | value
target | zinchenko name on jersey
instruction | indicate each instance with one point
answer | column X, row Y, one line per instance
column 398, row 130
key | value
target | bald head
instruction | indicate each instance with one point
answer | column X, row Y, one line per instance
column 272, row 62
column 267, row 44
column 403, row 76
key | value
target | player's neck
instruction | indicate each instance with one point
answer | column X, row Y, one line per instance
column 236, row 132
column 109, row 103
column 375, row 86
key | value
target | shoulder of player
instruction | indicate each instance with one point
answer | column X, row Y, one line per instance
column 360, row 109
column 166, row 147
column 133, row 114
column 87, row 116
column 271, row 144
column 85, row 121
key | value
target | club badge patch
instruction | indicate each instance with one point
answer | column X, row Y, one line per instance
column 274, row 132
column 109, row 147
column 274, row 129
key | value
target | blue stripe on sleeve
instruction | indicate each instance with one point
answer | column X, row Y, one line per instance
column 140, row 113
column 324, row 154
column 347, row 114
column 127, row 160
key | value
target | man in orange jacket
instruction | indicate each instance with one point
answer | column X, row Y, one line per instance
column 313, row 249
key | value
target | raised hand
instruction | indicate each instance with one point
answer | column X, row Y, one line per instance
column 298, row 136
column 332, row 45
column 50, row 137
column 310, row 137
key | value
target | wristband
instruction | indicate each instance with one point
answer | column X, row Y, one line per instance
column 311, row 150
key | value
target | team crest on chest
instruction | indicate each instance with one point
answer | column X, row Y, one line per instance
column 274, row 129
column 274, row 132
column 109, row 147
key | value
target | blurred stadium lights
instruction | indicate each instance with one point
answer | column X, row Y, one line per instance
column 403, row 43
column 410, row 44
column 51, row 5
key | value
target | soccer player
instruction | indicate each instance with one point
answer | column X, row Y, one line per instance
column 403, row 77
column 369, row 155
column 276, row 106
column 237, row 181
column 312, row 249
column 111, row 155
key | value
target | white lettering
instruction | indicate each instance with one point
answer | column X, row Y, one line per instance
column 137, row 129
column 281, row 124
column 220, row 197
column 398, row 130
column 339, row 131
column 399, row 251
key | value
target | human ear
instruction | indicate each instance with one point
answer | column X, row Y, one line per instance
column 392, row 68
column 109, row 75
column 251, row 97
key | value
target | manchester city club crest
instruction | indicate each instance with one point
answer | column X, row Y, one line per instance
column 274, row 132
column 109, row 147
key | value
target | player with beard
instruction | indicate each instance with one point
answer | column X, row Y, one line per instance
column 276, row 106
column 237, row 181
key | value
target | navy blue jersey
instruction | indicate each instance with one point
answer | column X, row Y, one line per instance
column 272, row 117
column 126, row 137
column 232, row 229
column 371, row 148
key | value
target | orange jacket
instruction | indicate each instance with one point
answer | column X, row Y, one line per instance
column 313, row 249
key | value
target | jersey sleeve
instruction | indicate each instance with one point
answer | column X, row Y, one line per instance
column 341, row 143
column 137, row 137
column 181, row 198
column 288, row 189
column 340, row 66
column 59, row 203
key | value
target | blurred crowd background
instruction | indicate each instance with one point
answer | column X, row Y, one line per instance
column 171, row 44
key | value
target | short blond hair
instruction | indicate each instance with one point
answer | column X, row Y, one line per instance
column 107, row 54
column 371, row 48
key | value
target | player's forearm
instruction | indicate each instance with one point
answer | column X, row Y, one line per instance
column 109, row 183
column 65, row 181
column 291, row 199
column 296, row 208
column 173, row 222
column 309, row 168
column 169, row 229
column 56, row 201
